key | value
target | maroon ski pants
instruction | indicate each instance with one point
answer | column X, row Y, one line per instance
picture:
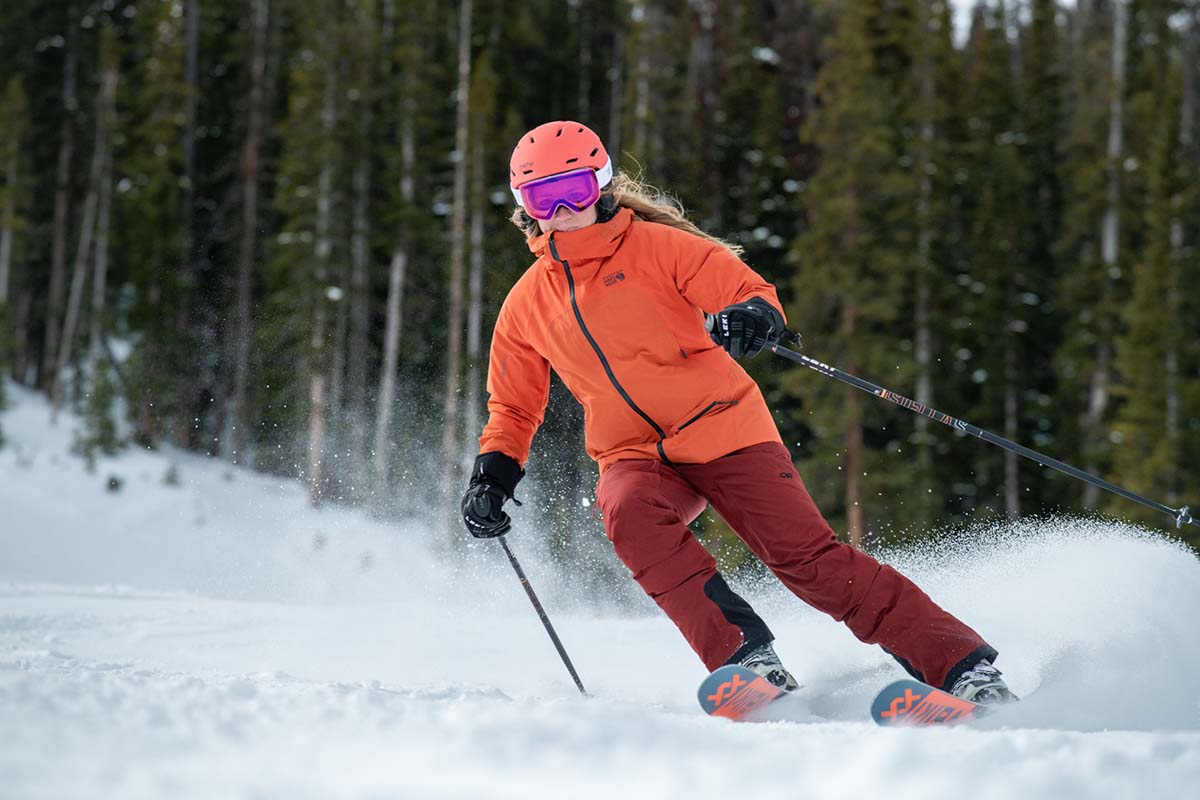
column 647, row 506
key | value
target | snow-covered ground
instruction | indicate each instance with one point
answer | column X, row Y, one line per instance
column 215, row 638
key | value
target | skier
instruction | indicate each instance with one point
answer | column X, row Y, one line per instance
column 615, row 303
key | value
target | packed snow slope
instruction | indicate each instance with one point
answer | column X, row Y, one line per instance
column 212, row 637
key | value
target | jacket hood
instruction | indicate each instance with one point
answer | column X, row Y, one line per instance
column 596, row 241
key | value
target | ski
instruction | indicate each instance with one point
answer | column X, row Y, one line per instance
column 913, row 704
column 733, row 692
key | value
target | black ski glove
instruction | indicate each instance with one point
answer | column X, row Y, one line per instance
column 744, row 329
column 493, row 480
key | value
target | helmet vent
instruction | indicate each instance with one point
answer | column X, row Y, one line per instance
column 558, row 134
column 526, row 172
column 580, row 130
column 594, row 151
column 571, row 160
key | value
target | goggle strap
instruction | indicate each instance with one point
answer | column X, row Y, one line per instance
column 604, row 174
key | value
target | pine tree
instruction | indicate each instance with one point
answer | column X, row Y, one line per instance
column 1004, row 281
column 1091, row 244
column 14, row 111
column 415, row 144
column 929, row 136
column 1187, row 235
column 849, row 266
column 240, row 328
column 151, row 229
column 99, row 176
column 483, row 164
column 63, row 194
column 1157, row 422
column 451, row 442
column 1148, row 457
column 295, row 335
column 367, row 68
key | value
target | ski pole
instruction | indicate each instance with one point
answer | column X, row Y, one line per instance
column 537, row 606
column 1182, row 515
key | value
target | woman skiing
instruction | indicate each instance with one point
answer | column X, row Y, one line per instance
column 615, row 303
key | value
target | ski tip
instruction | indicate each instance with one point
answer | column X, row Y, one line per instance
column 733, row 691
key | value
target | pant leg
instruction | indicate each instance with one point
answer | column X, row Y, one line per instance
column 646, row 507
column 759, row 494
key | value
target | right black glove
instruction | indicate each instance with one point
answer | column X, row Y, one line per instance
column 744, row 329
column 493, row 480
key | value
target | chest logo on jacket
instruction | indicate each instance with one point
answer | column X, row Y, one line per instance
column 613, row 278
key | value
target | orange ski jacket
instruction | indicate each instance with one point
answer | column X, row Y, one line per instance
column 617, row 309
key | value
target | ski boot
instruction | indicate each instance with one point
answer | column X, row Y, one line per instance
column 763, row 662
column 982, row 684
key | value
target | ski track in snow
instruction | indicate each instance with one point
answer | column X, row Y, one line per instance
column 219, row 639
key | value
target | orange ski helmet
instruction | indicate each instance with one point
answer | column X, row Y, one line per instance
column 556, row 147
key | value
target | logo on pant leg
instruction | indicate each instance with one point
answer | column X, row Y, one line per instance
column 785, row 474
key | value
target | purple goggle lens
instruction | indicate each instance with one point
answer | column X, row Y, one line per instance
column 576, row 190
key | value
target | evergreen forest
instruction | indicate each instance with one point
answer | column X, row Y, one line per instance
column 276, row 233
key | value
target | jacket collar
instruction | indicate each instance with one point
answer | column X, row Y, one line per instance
column 594, row 242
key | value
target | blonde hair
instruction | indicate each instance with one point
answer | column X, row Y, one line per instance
column 647, row 202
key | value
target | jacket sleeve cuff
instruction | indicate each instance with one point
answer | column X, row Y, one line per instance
column 500, row 468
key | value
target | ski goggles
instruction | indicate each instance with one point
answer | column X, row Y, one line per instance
column 576, row 190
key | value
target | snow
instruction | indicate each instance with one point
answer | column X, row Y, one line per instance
column 217, row 638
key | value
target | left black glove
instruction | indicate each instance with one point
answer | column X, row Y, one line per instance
column 493, row 480
column 744, row 329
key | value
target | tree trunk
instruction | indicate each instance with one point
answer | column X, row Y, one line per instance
column 924, row 271
column 454, row 316
column 1100, row 388
column 616, row 97
column 24, row 360
column 316, row 403
column 360, row 303
column 583, row 29
column 319, row 366
column 472, row 426
column 656, row 15
column 702, row 102
column 381, row 451
column 100, row 275
column 641, row 88
column 108, row 87
column 191, row 78
column 384, row 408
column 8, row 219
column 854, row 439
column 1012, row 486
column 337, row 353
column 186, row 433
column 62, row 207
column 1172, row 392
column 237, row 419
column 394, row 325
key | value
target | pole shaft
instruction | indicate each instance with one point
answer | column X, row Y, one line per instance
column 1180, row 515
column 537, row 606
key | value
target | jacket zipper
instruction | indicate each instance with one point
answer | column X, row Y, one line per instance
column 603, row 359
column 705, row 410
